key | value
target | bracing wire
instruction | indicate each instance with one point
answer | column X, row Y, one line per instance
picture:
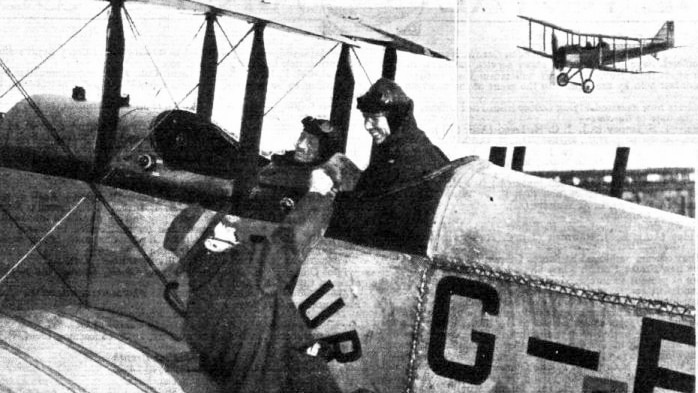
column 93, row 187
column 66, row 149
column 135, row 146
column 50, row 264
column 38, row 243
column 229, row 42
column 447, row 131
column 201, row 27
column 233, row 48
column 362, row 66
column 301, row 79
column 17, row 82
column 137, row 35
column 50, row 55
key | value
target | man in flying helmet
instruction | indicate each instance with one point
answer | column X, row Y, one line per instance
column 401, row 151
column 377, row 212
column 285, row 180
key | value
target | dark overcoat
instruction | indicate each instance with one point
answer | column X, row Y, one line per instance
column 240, row 316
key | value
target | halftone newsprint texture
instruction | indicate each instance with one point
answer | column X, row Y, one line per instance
column 554, row 253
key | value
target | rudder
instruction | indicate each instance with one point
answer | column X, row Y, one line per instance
column 666, row 33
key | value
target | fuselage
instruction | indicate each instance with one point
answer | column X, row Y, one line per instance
column 510, row 267
column 602, row 54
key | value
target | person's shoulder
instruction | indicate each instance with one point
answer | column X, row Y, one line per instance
column 416, row 151
column 416, row 145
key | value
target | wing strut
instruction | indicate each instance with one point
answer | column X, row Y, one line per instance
column 389, row 63
column 253, row 113
column 626, row 55
column 614, row 53
column 111, row 90
column 208, row 70
column 342, row 96
column 529, row 34
column 619, row 166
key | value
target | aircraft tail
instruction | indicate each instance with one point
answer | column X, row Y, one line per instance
column 666, row 33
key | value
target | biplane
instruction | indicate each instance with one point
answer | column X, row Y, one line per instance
column 502, row 282
column 594, row 51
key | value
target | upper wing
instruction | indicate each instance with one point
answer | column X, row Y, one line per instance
column 428, row 31
column 399, row 43
column 249, row 11
column 576, row 33
column 422, row 30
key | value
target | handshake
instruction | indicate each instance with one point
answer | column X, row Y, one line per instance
column 337, row 174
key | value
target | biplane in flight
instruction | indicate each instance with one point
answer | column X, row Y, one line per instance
column 495, row 281
column 594, row 51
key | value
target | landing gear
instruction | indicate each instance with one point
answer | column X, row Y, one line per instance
column 587, row 84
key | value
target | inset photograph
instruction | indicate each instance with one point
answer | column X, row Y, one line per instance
column 568, row 67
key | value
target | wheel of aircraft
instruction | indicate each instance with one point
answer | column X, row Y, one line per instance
column 562, row 79
column 588, row 86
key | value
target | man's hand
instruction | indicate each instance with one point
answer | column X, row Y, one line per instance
column 320, row 182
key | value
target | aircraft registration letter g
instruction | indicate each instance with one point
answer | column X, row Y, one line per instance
column 445, row 289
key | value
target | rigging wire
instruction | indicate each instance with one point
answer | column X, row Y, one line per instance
column 54, row 52
column 137, row 35
column 301, row 79
column 201, row 26
column 447, row 131
column 230, row 43
column 48, row 261
column 93, row 187
column 38, row 243
column 234, row 47
column 94, row 235
column 362, row 66
column 53, row 131
column 219, row 63
column 135, row 145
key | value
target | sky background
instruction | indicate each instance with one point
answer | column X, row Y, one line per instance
column 455, row 102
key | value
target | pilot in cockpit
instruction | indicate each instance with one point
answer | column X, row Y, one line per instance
column 316, row 144
column 375, row 213
column 285, row 180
